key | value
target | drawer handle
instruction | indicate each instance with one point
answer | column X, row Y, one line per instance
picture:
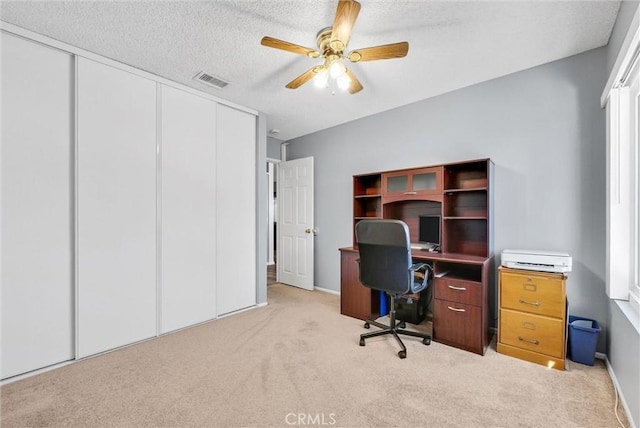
column 533, row 342
column 456, row 309
column 410, row 193
column 458, row 288
column 529, row 303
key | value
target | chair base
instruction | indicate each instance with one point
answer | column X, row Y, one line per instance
column 395, row 329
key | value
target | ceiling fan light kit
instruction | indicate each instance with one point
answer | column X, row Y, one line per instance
column 332, row 43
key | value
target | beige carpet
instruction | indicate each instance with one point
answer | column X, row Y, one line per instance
column 296, row 362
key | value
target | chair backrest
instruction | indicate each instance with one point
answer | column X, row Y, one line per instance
column 385, row 255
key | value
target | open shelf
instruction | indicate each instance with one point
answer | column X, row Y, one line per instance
column 457, row 271
column 471, row 189
column 466, row 237
column 367, row 185
column 466, row 175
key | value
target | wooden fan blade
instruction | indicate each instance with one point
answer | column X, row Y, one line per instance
column 289, row 47
column 303, row 78
column 355, row 85
column 394, row 50
column 346, row 15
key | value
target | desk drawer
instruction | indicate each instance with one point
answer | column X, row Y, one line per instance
column 536, row 294
column 460, row 291
column 532, row 332
column 458, row 324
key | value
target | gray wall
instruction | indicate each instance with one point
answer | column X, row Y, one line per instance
column 623, row 336
column 273, row 148
column 261, row 209
column 544, row 130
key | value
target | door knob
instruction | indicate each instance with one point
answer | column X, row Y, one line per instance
column 307, row 231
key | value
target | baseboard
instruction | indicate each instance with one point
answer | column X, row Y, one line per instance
column 616, row 385
column 249, row 308
column 326, row 290
column 35, row 372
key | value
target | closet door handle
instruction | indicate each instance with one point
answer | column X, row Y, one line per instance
column 456, row 309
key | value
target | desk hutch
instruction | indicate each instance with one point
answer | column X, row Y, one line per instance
column 461, row 193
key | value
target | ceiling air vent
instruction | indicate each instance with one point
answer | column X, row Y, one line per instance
column 210, row 80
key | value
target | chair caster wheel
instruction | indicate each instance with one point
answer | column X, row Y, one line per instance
column 402, row 354
column 426, row 341
column 402, row 325
column 361, row 342
column 366, row 325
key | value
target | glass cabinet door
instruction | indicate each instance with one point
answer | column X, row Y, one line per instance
column 424, row 181
column 398, row 183
column 412, row 183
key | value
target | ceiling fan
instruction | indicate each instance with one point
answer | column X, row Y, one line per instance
column 332, row 44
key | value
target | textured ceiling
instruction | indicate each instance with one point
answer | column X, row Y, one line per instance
column 452, row 44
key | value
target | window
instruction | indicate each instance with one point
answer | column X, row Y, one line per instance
column 621, row 98
column 634, row 135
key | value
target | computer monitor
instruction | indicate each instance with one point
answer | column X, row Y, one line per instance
column 429, row 229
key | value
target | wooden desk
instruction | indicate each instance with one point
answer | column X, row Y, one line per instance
column 461, row 194
column 460, row 296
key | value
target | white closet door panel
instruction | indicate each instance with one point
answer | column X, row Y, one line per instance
column 188, row 135
column 116, row 207
column 37, row 238
column 236, row 207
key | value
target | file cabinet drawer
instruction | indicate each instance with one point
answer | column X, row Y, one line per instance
column 456, row 290
column 532, row 332
column 541, row 294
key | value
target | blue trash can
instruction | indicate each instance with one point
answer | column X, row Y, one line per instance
column 583, row 338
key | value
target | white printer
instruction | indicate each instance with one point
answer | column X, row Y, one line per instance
column 544, row 261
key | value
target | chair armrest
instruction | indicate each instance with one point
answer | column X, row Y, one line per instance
column 417, row 266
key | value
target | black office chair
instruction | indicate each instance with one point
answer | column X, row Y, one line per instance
column 385, row 264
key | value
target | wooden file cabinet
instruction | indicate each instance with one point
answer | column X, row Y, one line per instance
column 532, row 323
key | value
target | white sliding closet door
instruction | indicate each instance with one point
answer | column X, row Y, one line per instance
column 37, row 207
column 116, row 189
column 236, row 207
column 188, row 250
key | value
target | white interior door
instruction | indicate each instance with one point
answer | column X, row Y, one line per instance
column 37, row 233
column 295, row 223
